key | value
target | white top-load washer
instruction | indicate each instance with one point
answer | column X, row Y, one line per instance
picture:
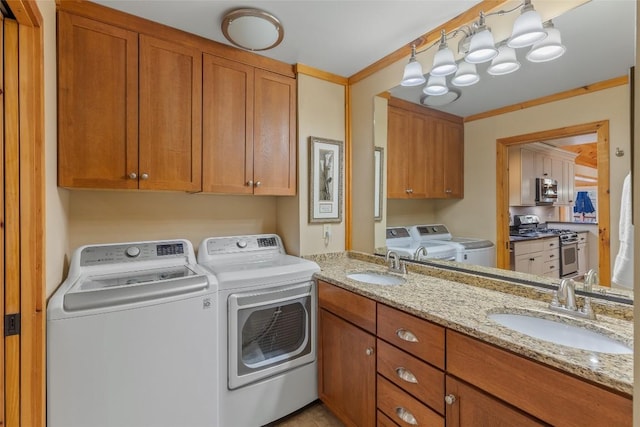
column 132, row 339
column 468, row 250
column 267, row 319
column 399, row 240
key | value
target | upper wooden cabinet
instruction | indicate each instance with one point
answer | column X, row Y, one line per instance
column 249, row 143
column 425, row 153
column 143, row 106
column 97, row 104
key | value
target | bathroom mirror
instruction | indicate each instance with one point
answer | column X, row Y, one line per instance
column 475, row 212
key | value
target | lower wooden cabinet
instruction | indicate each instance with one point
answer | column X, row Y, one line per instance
column 470, row 407
column 403, row 408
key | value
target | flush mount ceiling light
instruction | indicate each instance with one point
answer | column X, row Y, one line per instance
column 252, row 29
column 477, row 46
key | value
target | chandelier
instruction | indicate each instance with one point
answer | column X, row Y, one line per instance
column 478, row 46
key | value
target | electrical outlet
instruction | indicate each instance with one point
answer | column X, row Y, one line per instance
column 326, row 231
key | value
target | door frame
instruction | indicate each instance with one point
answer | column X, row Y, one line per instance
column 601, row 129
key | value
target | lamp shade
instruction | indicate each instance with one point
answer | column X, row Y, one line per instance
column 505, row 63
column 443, row 62
column 466, row 75
column 548, row 49
column 482, row 47
column 252, row 29
column 412, row 74
column 437, row 85
column 527, row 30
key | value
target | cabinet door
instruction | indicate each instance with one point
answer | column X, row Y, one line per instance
column 468, row 406
column 419, row 142
column 532, row 263
column 567, row 187
column 227, row 126
column 453, row 160
column 97, row 104
column 347, row 370
column 398, row 153
column 170, row 116
column 274, row 141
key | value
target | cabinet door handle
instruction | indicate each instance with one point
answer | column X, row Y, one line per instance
column 448, row 191
column 450, row 399
column 133, row 175
column 258, row 184
column 406, row 416
column 406, row 375
column 405, row 335
column 144, row 176
column 249, row 183
column 369, row 351
column 409, row 190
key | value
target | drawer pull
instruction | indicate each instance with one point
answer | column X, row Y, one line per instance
column 406, row 416
column 450, row 399
column 405, row 335
column 406, row 375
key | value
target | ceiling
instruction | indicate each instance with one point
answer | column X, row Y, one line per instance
column 344, row 37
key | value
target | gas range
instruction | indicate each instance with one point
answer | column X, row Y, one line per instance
column 529, row 226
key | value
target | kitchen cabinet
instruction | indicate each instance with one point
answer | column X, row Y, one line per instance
column 540, row 256
column 248, row 129
column 425, row 153
column 583, row 252
column 539, row 391
column 346, row 355
column 129, row 109
column 540, row 161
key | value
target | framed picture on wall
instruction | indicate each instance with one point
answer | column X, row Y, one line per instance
column 325, row 180
column 378, row 159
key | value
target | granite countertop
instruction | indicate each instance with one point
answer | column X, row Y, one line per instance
column 538, row 237
column 442, row 297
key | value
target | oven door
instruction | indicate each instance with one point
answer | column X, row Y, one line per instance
column 568, row 259
column 270, row 331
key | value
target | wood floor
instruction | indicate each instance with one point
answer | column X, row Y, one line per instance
column 312, row 415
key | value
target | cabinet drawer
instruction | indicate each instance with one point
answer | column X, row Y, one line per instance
column 521, row 248
column 412, row 375
column 550, row 266
column 552, row 254
column 551, row 244
column 384, row 421
column 404, row 409
column 355, row 308
column 412, row 334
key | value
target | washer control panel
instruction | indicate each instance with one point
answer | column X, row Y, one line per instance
column 237, row 244
column 122, row 253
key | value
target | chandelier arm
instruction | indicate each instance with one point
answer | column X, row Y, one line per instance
column 504, row 12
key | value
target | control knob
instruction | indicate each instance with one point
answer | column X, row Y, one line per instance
column 242, row 244
column 132, row 251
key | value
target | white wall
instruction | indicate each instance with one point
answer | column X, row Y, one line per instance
column 321, row 113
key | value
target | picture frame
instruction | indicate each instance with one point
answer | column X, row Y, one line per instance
column 325, row 180
column 378, row 196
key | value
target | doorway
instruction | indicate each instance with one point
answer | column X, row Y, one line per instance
column 601, row 130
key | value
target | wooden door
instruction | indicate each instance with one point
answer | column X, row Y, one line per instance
column 3, row 220
column 453, row 160
column 170, row 132
column 347, row 370
column 398, row 153
column 227, row 126
column 468, row 406
column 274, row 130
column 97, row 104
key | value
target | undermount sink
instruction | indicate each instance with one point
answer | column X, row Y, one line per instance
column 376, row 278
column 561, row 333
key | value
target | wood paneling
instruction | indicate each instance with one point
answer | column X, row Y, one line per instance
column 4, row 390
column 587, row 154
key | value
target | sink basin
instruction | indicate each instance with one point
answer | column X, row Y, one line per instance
column 376, row 278
column 561, row 333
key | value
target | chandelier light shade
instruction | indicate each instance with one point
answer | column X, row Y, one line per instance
column 549, row 48
column 482, row 47
column 505, row 63
column 443, row 62
column 466, row 75
column 527, row 29
column 437, row 85
column 252, row 29
column 413, row 75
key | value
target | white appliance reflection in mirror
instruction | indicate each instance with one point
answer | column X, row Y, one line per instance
column 267, row 328
column 399, row 241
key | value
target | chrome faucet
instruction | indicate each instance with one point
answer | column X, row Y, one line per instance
column 564, row 301
column 590, row 279
column 396, row 265
column 420, row 251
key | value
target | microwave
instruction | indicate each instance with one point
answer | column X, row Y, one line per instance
column 546, row 191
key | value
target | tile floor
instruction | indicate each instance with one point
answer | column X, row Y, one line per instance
column 312, row 415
